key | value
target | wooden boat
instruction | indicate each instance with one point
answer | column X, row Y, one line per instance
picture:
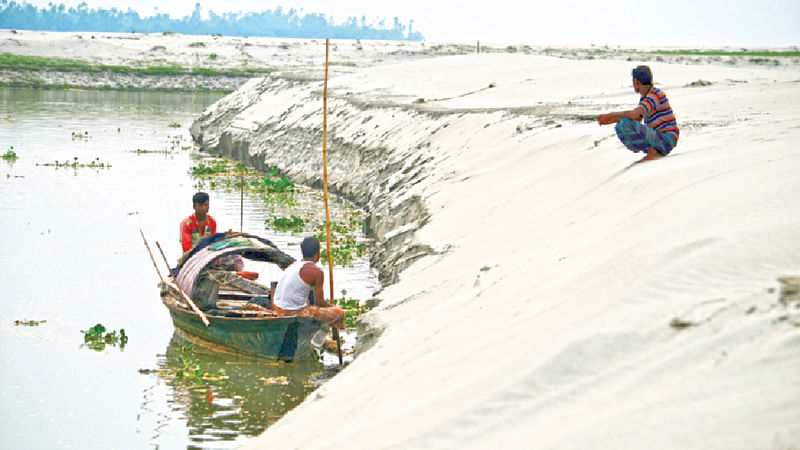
column 240, row 318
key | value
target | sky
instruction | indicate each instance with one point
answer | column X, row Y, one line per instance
column 582, row 22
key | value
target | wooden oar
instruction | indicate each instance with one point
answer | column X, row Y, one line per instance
column 325, row 189
column 185, row 297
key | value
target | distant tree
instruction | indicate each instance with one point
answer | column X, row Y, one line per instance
column 268, row 23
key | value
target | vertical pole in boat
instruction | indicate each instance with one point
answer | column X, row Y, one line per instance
column 241, row 200
column 325, row 191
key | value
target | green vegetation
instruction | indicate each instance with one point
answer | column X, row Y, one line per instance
column 294, row 224
column 344, row 247
column 174, row 125
column 187, row 369
column 230, row 174
column 79, row 135
column 11, row 61
column 140, row 151
column 28, row 323
column 75, row 164
column 214, row 167
column 10, row 155
column 353, row 309
column 96, row 338
column 212, row 56
column 275, row 189
column 739, row 53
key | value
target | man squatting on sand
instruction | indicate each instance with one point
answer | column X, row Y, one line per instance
column 292, row 297
column 659, row 133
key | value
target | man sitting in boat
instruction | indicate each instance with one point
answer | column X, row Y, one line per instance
column 299, row 280
column 199, row 225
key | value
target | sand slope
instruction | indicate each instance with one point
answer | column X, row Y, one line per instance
column 577, row 301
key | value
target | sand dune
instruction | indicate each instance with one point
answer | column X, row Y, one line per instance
column 578, row 301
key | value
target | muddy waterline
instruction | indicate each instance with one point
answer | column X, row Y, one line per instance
column 73, row 257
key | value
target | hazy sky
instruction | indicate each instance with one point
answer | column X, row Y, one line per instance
column 673, row 22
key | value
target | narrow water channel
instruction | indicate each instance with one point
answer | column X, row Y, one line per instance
column 72, row 257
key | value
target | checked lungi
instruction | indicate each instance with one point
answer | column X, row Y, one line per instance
column 638, row 137
column 333, row 316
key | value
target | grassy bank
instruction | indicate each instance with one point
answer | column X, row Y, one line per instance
column 9, row 61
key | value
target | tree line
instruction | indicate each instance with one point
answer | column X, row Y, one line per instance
column 267, row 23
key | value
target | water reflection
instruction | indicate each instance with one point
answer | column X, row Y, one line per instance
column 242, row 396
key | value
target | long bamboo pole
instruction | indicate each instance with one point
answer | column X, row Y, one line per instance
column 325, row 190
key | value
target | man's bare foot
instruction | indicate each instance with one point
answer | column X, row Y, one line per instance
column 652, row 154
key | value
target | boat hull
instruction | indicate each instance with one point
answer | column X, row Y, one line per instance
column 274, row 338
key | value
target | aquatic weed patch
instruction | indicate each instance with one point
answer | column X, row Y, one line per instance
column 187, row 369
column 292, row 223
column 76, row 164
column 96, row 338
column 28, row 323
column 229, row 175
column 274, row 189
column 344, row 245
column 353, row 309
column 10, row 154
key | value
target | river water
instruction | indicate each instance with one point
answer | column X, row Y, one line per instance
column 72, row 256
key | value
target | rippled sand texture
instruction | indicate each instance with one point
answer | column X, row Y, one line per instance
column 572, row 300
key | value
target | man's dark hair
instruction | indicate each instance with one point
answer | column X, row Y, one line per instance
column 309, row 247
column 643, row 74
column 200, row 197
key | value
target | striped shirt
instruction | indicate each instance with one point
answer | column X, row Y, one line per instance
column 658, row 114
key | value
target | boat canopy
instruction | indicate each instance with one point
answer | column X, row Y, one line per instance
column 216, row 246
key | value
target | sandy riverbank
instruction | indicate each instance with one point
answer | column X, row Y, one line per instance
column 553, row 296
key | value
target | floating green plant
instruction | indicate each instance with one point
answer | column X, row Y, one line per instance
column 96, row 338
column 267, row 184
column 187, row 369
column 140, row 151
column 229, row 175
column 79, row 135
column 29, row 323
column 294, row 224
column 174, row 125
column 353, row 309
column 344, row 246
column 10, row 155
column 75, row 164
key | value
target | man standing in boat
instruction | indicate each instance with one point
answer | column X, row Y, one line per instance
column 302, row 278
column 198, row 225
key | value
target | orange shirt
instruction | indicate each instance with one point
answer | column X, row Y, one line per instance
column 191, row 233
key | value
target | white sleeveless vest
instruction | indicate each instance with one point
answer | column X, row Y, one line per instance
column 292, row 292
